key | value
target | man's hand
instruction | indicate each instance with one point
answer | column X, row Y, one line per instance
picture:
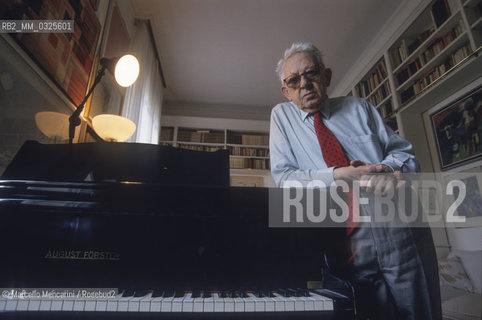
column 376, row 178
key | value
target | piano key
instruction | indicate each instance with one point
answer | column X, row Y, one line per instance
column 259, row 303
column 156, row 303
column 22, row 305
column 309, row 303
column 112, row 304
column 198, row 304
column 90, row 305
column 188, row 303
column 123, row 304
column 101, row 305
column 177, row 303
column 249, row 304
column 68, row 305
column 209, row 303
column 145, row 302
column 218, row 302
column 238, row 304
column 45, row 304
column 56, row 305
column 279, row 302
column 79, row 304
column 10, row 305
column 3, row 303
column 166, row 304
column 269, row 304
column 34, row 305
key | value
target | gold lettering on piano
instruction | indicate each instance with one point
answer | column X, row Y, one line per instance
column 82, row 255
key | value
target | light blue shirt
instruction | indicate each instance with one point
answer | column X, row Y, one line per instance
column 295, row 152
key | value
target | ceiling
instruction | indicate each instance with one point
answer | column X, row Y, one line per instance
column 223, row 52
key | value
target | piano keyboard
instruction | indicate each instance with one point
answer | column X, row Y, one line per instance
column 288, row 300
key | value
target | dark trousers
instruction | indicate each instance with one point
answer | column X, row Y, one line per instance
column 393, row 270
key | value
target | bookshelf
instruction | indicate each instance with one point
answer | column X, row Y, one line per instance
column 440, row 41
column 248, row 150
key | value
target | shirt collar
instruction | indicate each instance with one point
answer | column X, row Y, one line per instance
column 325, row 111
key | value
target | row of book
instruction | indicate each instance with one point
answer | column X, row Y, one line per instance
column 367, row 85
column 248, row 152
column 244, row 163
column 199, row 147
column 386, row 110
column 435, row 73
column 400, row 53
column 423, row 58
column 204, row 136
column 248, row 139
column 378, row 96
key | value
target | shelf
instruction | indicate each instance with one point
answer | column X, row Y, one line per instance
column 446, row 27
column 377, row 87
column 247, row 157
column 476, row 24
column 384, row 101
column 437, row 60
column 201, row 144
column 247, row 145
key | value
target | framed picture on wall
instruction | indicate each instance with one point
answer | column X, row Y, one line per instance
column 457, row 129
column 66, row 58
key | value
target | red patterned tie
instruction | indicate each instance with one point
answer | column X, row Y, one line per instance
column 335, row 157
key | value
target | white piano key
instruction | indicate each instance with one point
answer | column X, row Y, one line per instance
column 101, row 306
column 238, row 305
column 112, row 305
column 56, row 305
column 90, row 305
column 34, row 305
column 299, row 304
column 123, row 304
column 290, row 304
column 11, row 305
column 279, row 302
column 177, row 304
column 3, row 303
column 228, row 305
column 218, row 303
column 249, row 304
column 327, row 302
column 198, row 304
column 22, row 304
column 68, row 305
column 45, row 305
column 318, row 301
column 188, row 303
column 79, row 305
column 166, row 304
column 309, row 303
column 208, row 304
column 269, row 304
column 155, row 304
column 145, row 303
column 134, row 304
column 259, row 303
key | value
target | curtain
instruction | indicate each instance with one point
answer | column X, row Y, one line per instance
column 143, row 100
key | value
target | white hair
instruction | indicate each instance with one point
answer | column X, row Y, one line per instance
column 296, row 48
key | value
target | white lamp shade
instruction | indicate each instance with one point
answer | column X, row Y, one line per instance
column 126, row 70
column 111, row 127
column 53, row 124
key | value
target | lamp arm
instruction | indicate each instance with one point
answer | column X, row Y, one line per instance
column 74, row 119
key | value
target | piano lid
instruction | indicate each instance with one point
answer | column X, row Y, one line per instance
column 106, row 161
column 95, row 235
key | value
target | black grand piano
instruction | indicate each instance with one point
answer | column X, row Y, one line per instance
column 161, row 227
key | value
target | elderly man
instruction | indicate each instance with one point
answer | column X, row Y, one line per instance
column 393, row 270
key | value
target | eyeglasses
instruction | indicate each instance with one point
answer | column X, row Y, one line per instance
column 294, row 80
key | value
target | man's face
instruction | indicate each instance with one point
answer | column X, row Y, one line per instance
column 309, row 93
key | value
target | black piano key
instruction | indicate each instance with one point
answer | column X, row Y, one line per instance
column 223, row 294
column 206, row 294
column 178, row 293
column 292, row 292
column 302, row 292
column 169, row 293
column 157, row 293
column 196, row 293
column 283, row 292
column 269, row 293
column 140, row 293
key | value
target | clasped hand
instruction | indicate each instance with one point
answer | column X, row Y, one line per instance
column 376, row 178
